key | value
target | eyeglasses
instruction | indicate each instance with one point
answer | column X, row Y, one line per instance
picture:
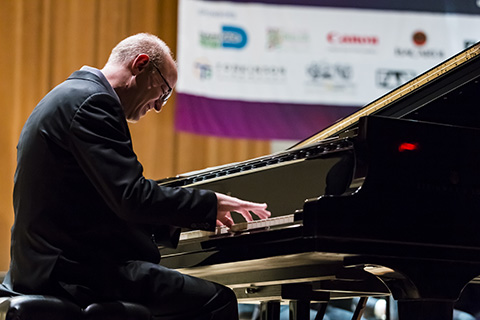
column 166, row 95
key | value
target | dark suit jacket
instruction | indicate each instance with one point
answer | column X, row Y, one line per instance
column 80, row 198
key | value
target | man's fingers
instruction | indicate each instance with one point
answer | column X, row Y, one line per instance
column 226, row 220
column 227, row 204
column 246, row 214
column 260, row 210
column 262, row 214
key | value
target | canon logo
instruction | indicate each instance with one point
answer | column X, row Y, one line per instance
column 337, row 38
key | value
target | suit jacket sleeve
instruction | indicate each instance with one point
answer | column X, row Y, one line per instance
column 101, row 142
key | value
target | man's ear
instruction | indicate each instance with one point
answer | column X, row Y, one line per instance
column 140, row 63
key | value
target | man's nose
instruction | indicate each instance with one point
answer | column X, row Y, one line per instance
column 157, row 106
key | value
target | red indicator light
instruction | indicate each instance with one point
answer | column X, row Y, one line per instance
column 407, row 146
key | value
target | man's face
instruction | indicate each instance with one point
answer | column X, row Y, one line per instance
column 149, row 90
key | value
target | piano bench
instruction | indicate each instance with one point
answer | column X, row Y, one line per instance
column 37, row 307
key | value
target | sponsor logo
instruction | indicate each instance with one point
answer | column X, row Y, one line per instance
column 419, row 38
column 352, row 42
column 389, row 78
column 325, row 71
column 418, row 50
column 224, row 71
column 230, row 37
column 330, row 76
column 279, row 39
column 250, row 72
column 337, row 38
column 202, row 69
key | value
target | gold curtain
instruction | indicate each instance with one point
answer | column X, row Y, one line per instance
column 44, row 41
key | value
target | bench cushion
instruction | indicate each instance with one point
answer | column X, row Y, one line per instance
column 38, row 307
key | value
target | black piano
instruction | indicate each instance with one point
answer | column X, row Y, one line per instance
column 383, row 202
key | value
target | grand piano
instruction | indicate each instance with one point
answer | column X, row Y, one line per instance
column 384, row 202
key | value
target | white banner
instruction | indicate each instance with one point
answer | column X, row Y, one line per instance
column 310, row 55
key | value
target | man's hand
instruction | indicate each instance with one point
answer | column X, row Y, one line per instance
column 227, row 204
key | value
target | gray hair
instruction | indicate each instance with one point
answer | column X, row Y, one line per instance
column 127, row 49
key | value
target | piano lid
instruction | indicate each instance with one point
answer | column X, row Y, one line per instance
column 457, row 77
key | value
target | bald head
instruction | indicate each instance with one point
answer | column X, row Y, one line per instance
column 142, row 72
column 141, row 43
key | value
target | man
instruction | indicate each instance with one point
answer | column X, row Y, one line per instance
column 86, row 220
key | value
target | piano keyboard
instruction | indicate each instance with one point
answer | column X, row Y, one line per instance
column 239, row 227
column 260, row 224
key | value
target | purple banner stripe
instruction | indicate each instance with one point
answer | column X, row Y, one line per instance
column 254, row 120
